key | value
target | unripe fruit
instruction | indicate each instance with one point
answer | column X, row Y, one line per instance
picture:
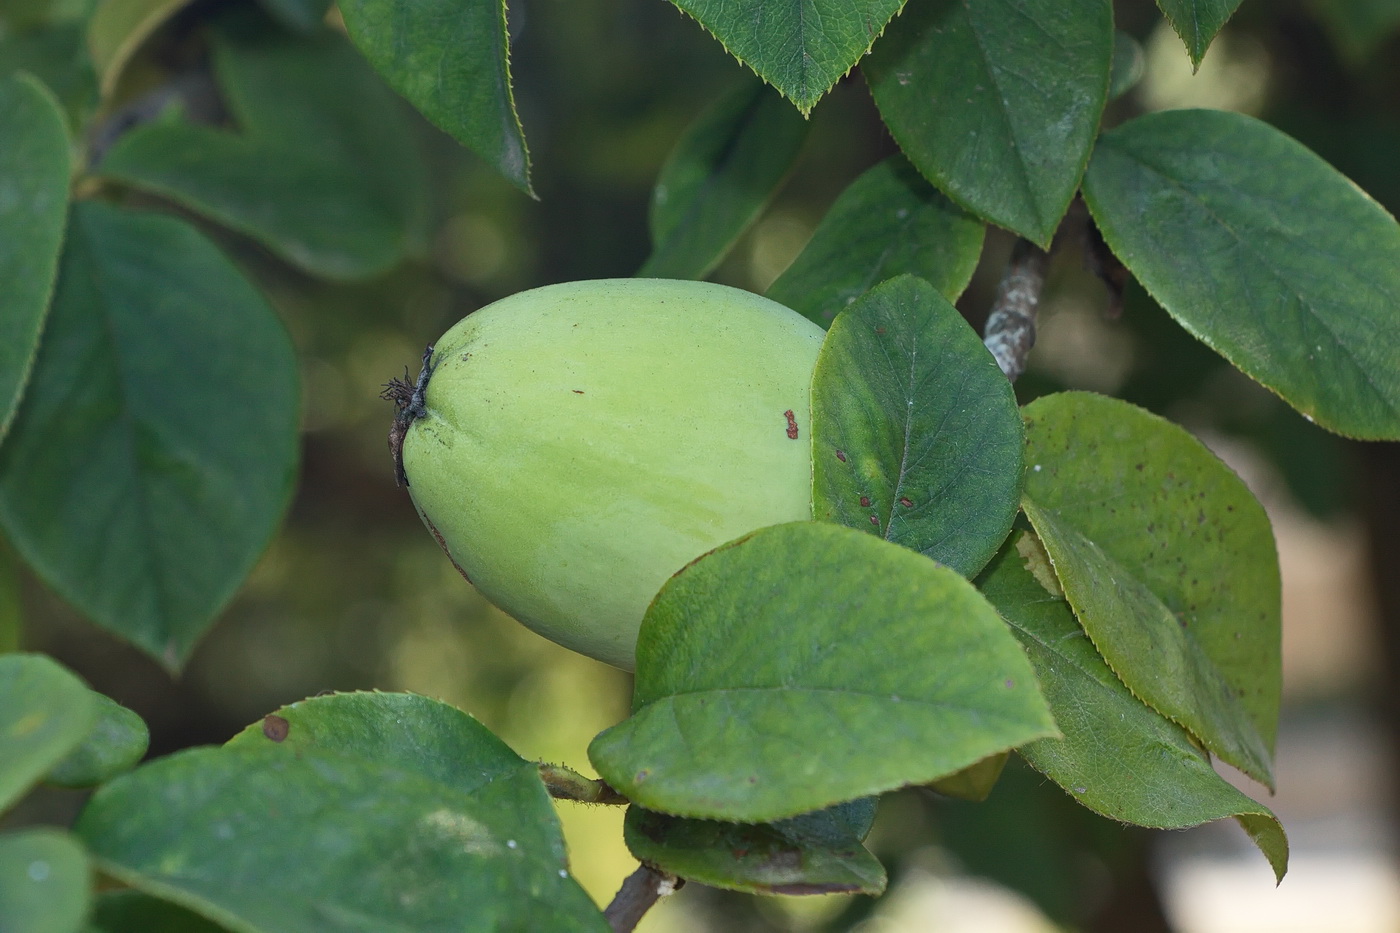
column 575, row 445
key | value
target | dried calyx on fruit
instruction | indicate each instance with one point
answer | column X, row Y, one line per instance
column 571, row 447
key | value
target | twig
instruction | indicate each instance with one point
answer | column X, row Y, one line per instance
column 638, row 894
column 1010, row 331
column 567, row 784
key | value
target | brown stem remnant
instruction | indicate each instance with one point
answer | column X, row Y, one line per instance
column 638, row 894
column 409, row 406
column 1010, row 331
column 567, row 784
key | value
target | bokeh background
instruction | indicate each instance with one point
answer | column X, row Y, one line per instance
column 354, row 594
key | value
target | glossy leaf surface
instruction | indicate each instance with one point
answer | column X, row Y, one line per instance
column 44, row 713
column 116, row 742
column 1197, row 22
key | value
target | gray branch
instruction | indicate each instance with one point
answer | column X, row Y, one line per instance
column 1010, row 331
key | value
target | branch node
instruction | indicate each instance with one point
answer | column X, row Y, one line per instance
column 639, row 893
column 1010, row 330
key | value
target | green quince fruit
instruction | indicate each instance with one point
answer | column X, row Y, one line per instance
column 573, row 446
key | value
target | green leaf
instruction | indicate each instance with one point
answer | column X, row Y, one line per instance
column 155, row 451
column 116, row 31
column 450, row 59
column 916, row 433
column 997, row 102
column 815, row 853
column 117, row 741
column 389, row 811
column 888, row 222
column 134, row 912
column 722, row 173
column 1117, row 757
column 974, row 783
column 34, row 169
column 801, row 47
column 849, row 666
column 57, row 55
column 324, row 171
column 1358, row 28
column 11, row 611
column 45, row 712
column 1292, row 274
column 304, row 16
column 1169, row 562
column 1129, row 65
column 44, row 884
column 1197, row 22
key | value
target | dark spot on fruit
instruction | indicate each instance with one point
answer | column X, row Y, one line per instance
column 865, row 502
column 275, row 727
column 906, row 502
column 578, row 391
column 640, row 776
column 1140, row 466
column 1009, row 683
column 841, row 455
column 791, row 424
column 442, row 543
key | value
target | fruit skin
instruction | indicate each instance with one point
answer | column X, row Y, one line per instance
column 579, row 443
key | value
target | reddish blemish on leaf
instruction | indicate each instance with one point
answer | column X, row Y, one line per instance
column 275, row 727
column 875, row 521
column 865, row 502
column 841, row 455
column 906, row 502
column 791, row 424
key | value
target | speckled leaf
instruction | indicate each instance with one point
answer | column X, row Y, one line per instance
column 888, row 222
column 1117, row 756
column 809, row 664
column 1291, row 273
column 815, row 853
column 389, row 811
column 44, row 713
column 450, row 59
column 144, row 473
column 916, row 433
column 116, row 742
column 1197, row 22
column 722, row 173
column 997, row 102
column 323, row 170
column 34, row 167
column 44, row 883
column 134, row 912
column 1169, row 562
column 116, row 31
column 801, row 47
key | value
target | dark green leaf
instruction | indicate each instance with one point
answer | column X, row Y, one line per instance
column 11, row 612
column 134, row 912
column 44, row 885
column 117, row 741
column 997, row 101
column 450, row 59
column 1117, row 757
column 116, row 31
column 1197, row 22
column 301, row 837
column 1292, row 274
column 718, row 179
column 888, row 222
column 801, row 47
column 816, row 853
column 299, row 15
column 58, row 56
column 325, row 171
column 34, row 170
column 810, row 664
column 44, row 713
column 156, row 447
column 916, row 433
column 976, row 782
column 1169, row 562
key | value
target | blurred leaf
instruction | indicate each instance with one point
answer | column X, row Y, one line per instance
column 1291, row 274
column 801, row 47
column 338, row 827
column 11, row 611
column 974, row 783
column 325, row 171
column 58, row 56
column 1197, row 22
column 134, row 912
column 1117, row 757
column 116, row 743
column 1129, row 65
column 1358, row 27
column 816, row 853
column 116, row 31
column 722, row 173
column 916, row 433
column 34, row 169
column 44, row 713
column 849, row 666
column 450, row 58
column 997, row 102
column 44, row 884
column 155, row 450
column 889, row 221
column 298, row 15
column 1168, row 561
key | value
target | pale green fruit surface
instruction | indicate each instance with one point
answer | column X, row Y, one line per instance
column 582, row 442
